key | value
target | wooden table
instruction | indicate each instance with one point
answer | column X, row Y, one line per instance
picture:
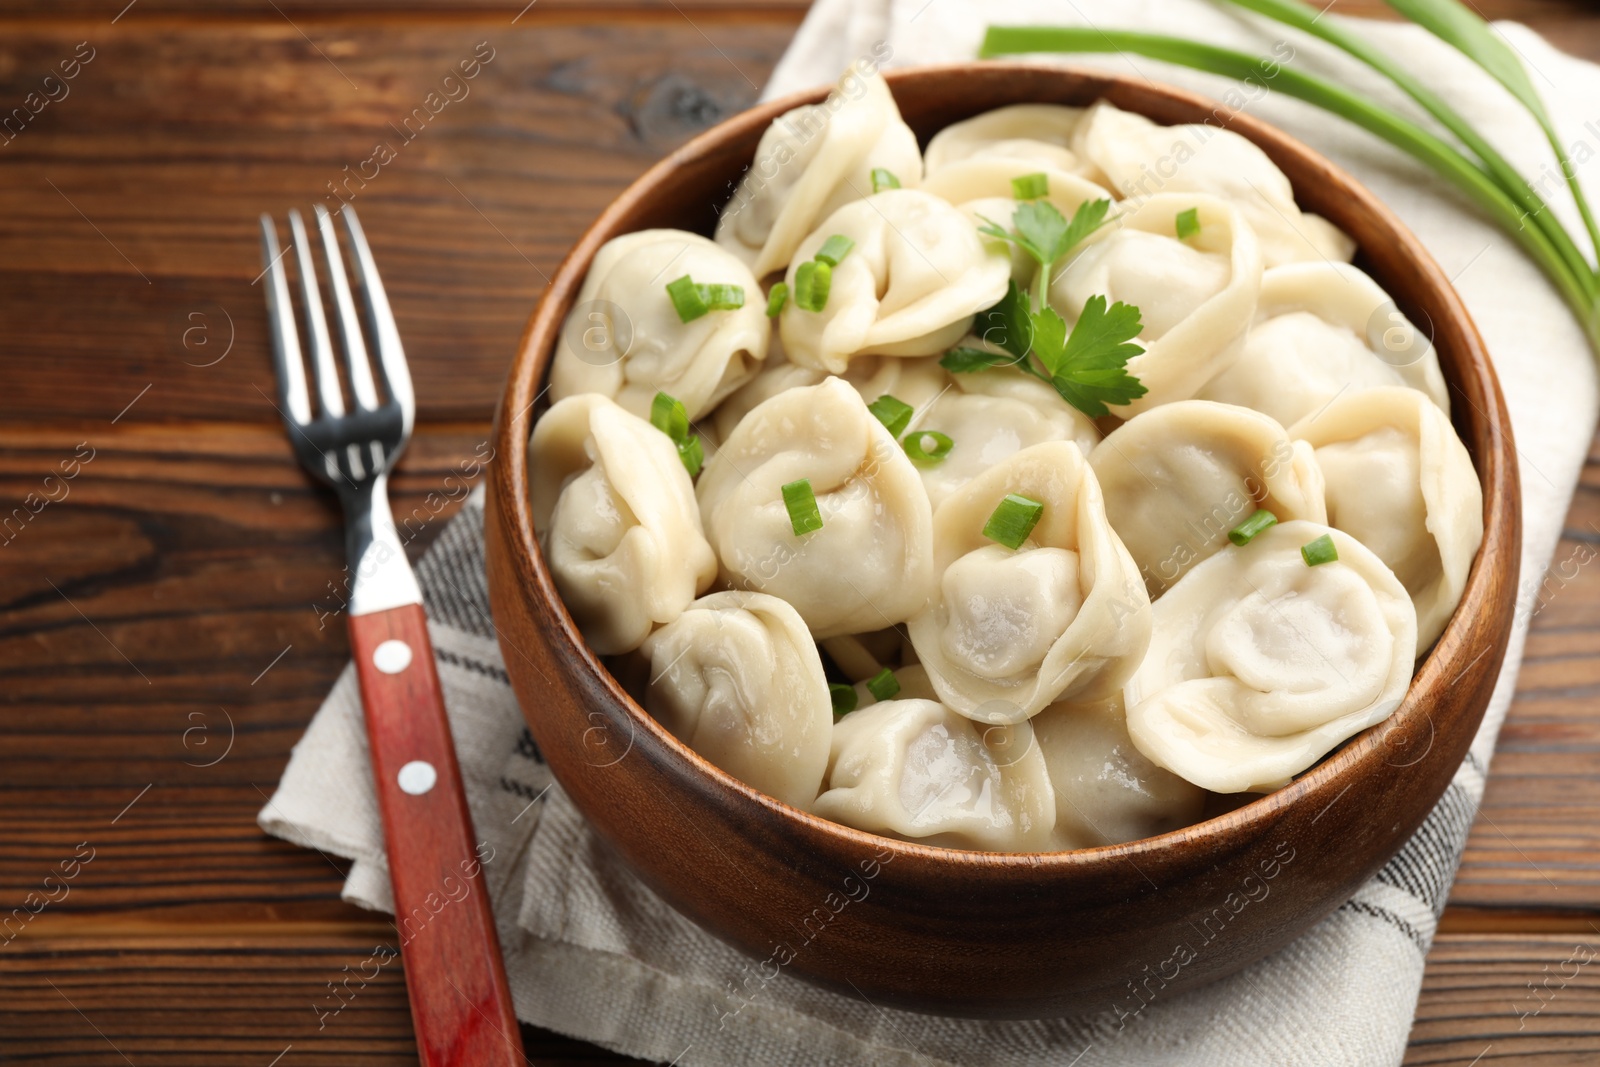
column 164, row 634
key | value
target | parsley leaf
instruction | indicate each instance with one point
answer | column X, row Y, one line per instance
column 970, row 360
column 1008, row 324
column 1089, row 367
column 1089, row 217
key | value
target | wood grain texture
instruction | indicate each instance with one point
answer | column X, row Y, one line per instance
column 192, row 938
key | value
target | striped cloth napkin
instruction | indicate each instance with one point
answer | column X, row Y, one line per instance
column 594, row 954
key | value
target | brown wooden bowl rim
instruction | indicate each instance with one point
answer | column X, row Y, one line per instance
column 1496, row 472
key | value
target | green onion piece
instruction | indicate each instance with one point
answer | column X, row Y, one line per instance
column 894, row 413
column 812, row 279
column 804, row 515
column 1246, row 530
column 687, row 299
column 883, row 179
column 693, row 455
column 1319, row 551
column 1013, row 520
column 776, row 299
column 844, row 699
column 1188, row 223
column 834, row 249
column 883, row 685
column 928, row 446
column 1030, row 186
column 667, row 414
column 722, row 297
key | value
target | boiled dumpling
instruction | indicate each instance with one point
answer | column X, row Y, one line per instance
column 1178, row 478
column 1322, row 330
column 909, row 287
column 616, row 517
column 737, row 678
column 1260, row 663
column 1140, row 159
column 988, row 417
column 1064, row 615
column 917, row 770
column 1400, row 481
column 812, row 161
column 1195, row 295
column 624, row 338
column 1107, row 791
column 1038, row 134
column 870, row 565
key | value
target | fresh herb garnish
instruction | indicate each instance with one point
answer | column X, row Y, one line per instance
column 927, row 447
column 894, row 413
column 812, row 280
column 883, row 179
column 883, row 685
column 804, row 515
column 691, row 301
column 1187, row 224
column 667, row 414
column 1319, row 551
column 1246, row 531
column 777, row 299
column 844, row 699
column 1030, row 186
column 1013, row 520
column 834, row 249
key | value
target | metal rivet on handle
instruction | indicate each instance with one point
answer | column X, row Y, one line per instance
column 417, row 777
column 392, row 657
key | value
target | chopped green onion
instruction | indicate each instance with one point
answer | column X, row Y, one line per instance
column 687, row 299
column 1246, row 530
column 693, row 455
column 883, row 179
column 722, row 297
column 894, row 413
column 804, row 515
column 812, row 279
column 776, row 299
column 667, row 414
column 883, row 685
column 1030, row 186
column 917, row 446
column 844, row 699
column 1188, row 223
column 1013, row 520
column 1319, row 551
column 834, row 249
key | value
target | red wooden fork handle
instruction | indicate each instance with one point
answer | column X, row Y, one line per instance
column 460, row 1003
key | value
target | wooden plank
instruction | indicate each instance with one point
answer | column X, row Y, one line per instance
column 130, row 243
column 326, row 999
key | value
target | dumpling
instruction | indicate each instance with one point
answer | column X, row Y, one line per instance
column 1107, row 791
column 811, row 162
column 1039, row 134
column 1260, row 664
column 1324, row 329
column 915, row 769
column 1063, row 615
column 1178, row 478
column 737, row 678
column 988, row 417
column 870, row 565
column 1140, row 159
column 1195, row 296
column 624, row 339
column 1400, row 481
column 909, row 287
column 617, row 520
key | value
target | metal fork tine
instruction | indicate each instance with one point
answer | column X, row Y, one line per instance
column 329, row 395
column 292, row 394
column 380, row 323
column 355, row 348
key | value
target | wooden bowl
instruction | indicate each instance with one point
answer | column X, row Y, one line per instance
column 1002, row 935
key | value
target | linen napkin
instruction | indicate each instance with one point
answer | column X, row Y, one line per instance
column 594, row 954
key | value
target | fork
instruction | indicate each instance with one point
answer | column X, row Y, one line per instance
column 455, row 978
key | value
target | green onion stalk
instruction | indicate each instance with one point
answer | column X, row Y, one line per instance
column 1480, row 172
